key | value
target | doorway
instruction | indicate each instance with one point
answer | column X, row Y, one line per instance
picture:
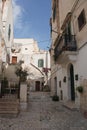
column 37, row 85
column 55, row 84
column 71, row 70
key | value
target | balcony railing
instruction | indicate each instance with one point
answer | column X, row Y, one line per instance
column 65, row 43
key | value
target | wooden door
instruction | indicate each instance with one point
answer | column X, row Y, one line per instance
column 37, row 85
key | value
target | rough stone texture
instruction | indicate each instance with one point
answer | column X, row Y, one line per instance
column 23, row 92
column 83, row 97
column 44, row 114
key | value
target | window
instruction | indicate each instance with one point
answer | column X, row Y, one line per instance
column 14, row 59
column 81, row 20
column 60, row 84
column 40, row 63
column 9, row 32
column 67, row 32
column 26, row 49
column 54, row 12
column 51, row 25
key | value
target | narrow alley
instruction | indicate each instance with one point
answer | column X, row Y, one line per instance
column 44, row 114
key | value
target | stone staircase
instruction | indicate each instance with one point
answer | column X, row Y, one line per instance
column 9, row 105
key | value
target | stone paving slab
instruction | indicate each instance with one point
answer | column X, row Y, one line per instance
column 77, row 128
column 42, row 113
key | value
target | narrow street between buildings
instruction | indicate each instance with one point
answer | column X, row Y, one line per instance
column 44, row 114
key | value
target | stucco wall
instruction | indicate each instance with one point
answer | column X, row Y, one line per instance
column 82, row 62
column 83, row 97
column 81, row 37
column 65, row 7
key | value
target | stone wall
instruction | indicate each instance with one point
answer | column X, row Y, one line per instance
column 23, row 92
column 83, row 97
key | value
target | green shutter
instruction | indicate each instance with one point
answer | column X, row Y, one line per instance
column 40, row 63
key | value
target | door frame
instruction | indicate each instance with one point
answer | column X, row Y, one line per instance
column 71, row 84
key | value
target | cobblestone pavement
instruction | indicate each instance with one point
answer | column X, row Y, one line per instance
column 44, row 114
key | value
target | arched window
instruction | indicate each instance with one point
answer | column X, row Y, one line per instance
column 40, row 63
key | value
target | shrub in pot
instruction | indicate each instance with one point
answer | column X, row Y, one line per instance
column 79, row 89
column 55, row 98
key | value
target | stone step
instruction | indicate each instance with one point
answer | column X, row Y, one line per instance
column 8, row 113
column 70, row 105
column 8, row 106
column 9, row 110
column 9, row 102
column 10, row 96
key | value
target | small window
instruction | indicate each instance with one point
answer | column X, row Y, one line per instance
column 9, row 32
column 40, row 63
column 54, row 12
column 81, row 20
column 60, row 84
column 14, row 59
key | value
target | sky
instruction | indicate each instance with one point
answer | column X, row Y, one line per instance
column 31, row 20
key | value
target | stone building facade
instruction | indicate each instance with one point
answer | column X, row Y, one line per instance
column 6, row 34
column 36, row 61
column 69, row 48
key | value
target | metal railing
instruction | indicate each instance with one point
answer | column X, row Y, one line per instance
column 65, row 43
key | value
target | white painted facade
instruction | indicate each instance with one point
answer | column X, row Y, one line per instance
column 6, row 33
column 68, row 61
column 28, row 51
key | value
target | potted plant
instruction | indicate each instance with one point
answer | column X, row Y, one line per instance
column 20, row 72
column 80, row 89
column 55, row 98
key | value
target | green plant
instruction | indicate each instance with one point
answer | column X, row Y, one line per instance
column 79, row 89
column 55, row 98
column 21, row 73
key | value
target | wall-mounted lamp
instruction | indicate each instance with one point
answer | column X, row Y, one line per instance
column 64, row 79
column 76, row 77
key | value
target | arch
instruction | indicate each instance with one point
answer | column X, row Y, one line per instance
column 71, row 88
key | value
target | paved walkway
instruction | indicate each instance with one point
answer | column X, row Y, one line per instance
column 44, row 114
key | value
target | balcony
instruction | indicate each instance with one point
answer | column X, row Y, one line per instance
column 66, row 45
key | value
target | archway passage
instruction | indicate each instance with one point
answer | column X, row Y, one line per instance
column 72, row 82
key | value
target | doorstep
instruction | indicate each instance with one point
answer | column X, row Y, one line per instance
column 70, row 105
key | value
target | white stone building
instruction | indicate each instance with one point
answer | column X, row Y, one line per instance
column 69, row 48
column 6, row 34
column 35, row 60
